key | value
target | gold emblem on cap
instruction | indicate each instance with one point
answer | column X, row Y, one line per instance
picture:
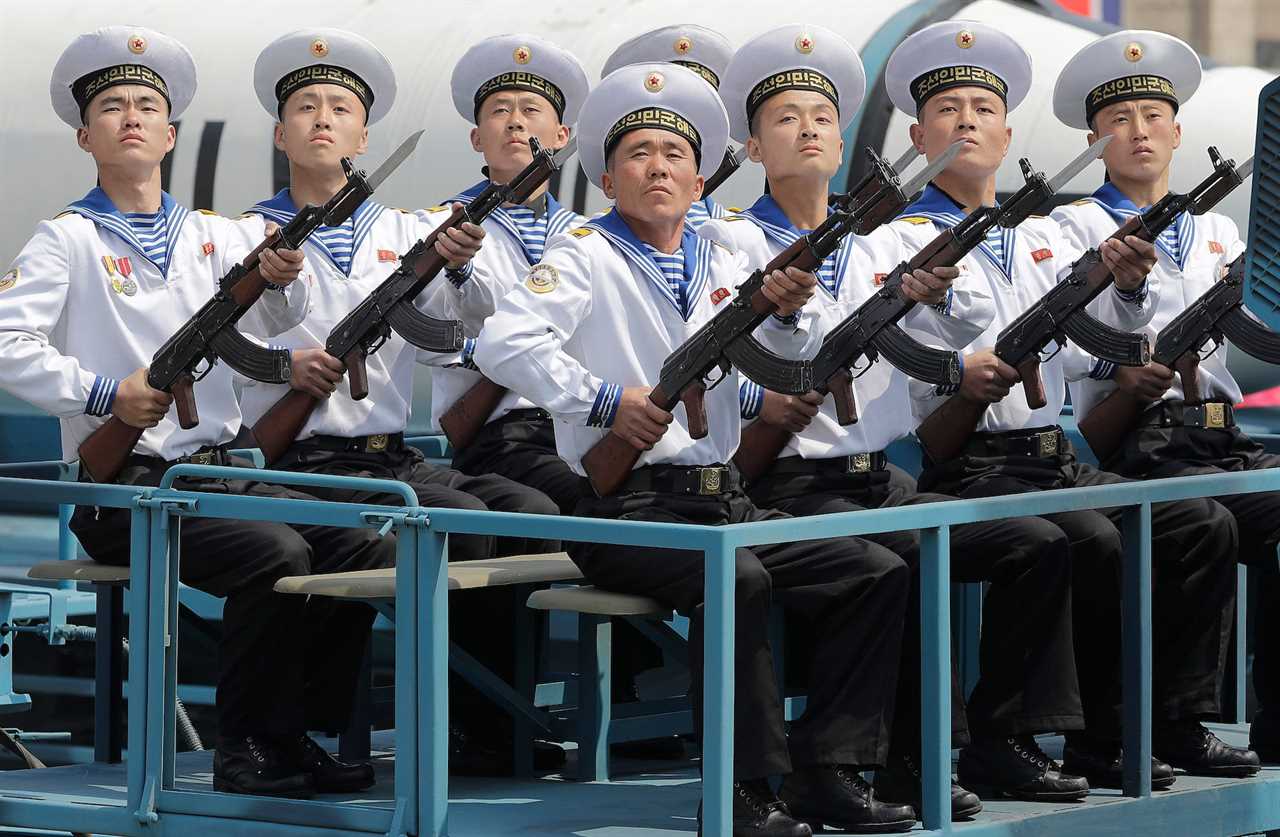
column 522, row 55
column 137, row 44
column 1133, row 51
column 683, row 45
column 965, row 38
column 319, row 48
column 654, row 82
column 804, row 44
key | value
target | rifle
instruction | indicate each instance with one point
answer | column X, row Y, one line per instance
column 211, row 334
column 1060, row 314
column 872, row 330
column 1215, row 316
column 683, row 374
column 468, row 415
column 390, row 307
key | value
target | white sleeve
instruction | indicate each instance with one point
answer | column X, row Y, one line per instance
column 278, row 309
column 1125, row 310
column 33, row 305
column 469, row 294
column 522, row 344
column 961, row 318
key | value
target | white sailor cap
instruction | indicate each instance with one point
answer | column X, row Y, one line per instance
column 121, row 55
column 703, row 50
column 1134, row 64
column 957, row 53
column 324, row 56
column 664, row 96
column 519, row 62
column 793, row 57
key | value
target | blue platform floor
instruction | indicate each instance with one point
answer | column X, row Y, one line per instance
column 660, row 800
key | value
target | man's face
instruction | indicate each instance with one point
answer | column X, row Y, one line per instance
column 320, row 124
column 127, row 125
column 796, row 133
column 505, row 122
column 1146, row 135
column 973, row 114
column 653, row 176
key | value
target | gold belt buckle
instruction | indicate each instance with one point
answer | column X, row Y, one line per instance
column 1215, row 415
column 709, row 481
column 1048, row 443
column 377, row 443
column 205, row 458
column 860, row 463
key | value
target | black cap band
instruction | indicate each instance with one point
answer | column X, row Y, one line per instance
column 961, row 75
column 323, row 74
column 702, row 70
column 1144, row 86
column 521, row 80
column 654, row 117
column 800, row 79
column 89, row 85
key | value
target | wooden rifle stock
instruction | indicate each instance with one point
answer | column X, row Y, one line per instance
column 356, row 362
column 281, row 424
column 610, row 460
column 464, row 420
column 1113, row 418
column 104, row 454
column 945, row 432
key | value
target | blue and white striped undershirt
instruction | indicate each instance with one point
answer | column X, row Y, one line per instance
column 533, row 230
column 672, row 267
column 340, row 242
column 152, row 230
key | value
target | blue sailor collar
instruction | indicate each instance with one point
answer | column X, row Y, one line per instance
column 774, row 223
column 1176, row 239
column 697, row 259
column 99, row 209
column 704, row 210
column 281, row 209
column 945, row 212
column 559, row 218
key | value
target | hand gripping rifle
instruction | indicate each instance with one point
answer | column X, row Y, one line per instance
column 468, row 415
column 391, row 305
column 872, row 330
column 1060, row 314
column 1215, row 316
column 685, row 372
column 211, row 333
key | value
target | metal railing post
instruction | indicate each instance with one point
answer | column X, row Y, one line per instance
column 717, row 690
column 935, row 671
column 1136, row 643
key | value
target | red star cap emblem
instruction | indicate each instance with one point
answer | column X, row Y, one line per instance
column 137, row 45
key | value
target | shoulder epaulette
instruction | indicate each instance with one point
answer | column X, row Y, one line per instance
column 1081, row 202
column 436, row 208
column 734, row 218
column 734, row 208
column 63, row 214
column 581, row 232
column 914, row 219
column 208, row 212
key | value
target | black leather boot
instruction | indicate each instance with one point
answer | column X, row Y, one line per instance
column 902, row 782
column 329, row 774
column 837, row 796
column 1102, row 763
column 1189, row 746
column 255, row 765
column 1017, row 767
column 757, row 812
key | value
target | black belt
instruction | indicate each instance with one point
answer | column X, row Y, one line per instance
column 377, row 443
column 1034, row 443
column 527, row 414
column 208, row 455
column 679, row 479
column 857, row 463
column 1216, row 415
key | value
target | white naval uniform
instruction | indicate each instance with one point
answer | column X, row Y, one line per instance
column 69, row 335
column 1186, row 268
column 502, row 263
column 597, row 315
column 381, row 236
column 1027, row 264
column 881, row 393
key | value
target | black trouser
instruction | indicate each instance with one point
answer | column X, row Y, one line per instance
column 287, row 663
column 482, row 622
column 1193, row 547
column 1154, row 452
column 522, row 446
column 853, row 590
column 1028, row 676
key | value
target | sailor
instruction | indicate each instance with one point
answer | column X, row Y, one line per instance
column 89, row 300
column 585, row 335
column 703, row 50
column 791, row 93
column 325, row 87
column 511, row 88
column 1129, row 85
column 959, row 79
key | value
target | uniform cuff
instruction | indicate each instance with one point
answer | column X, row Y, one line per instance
column 469, row 354
column 1103, row 370
column 951, row 389
column 790, row 320
column 605, row 408
column 750, row 399
column 944, row 307
column 1136, row 296
column 459, row 275
column 101, row 396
